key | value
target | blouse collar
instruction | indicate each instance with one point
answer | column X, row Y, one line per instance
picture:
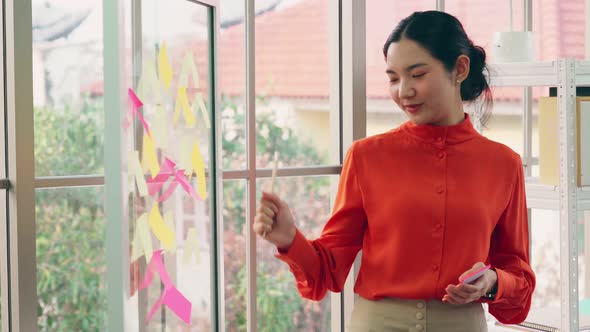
column 439, row 134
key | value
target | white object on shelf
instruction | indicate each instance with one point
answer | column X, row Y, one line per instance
column 513, row 46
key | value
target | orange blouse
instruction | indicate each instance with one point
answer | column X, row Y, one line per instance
column 423, row 203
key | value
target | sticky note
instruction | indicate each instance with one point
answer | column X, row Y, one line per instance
column 154, row 184
column 188, row 65
column 191, row 247
column 160, row 128
column 165, row 69
column 200, row 105
column 585, row 307
column 164, row 233
column 169, row 221
column 185, row 156
column 149, row 85
column 171, row 296
column 183, row 104
column 199, row 166
column 133, row 105
column 150, row 159
column 142, row 240
column 137, row 173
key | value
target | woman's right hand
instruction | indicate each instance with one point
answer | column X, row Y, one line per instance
column 274, row 221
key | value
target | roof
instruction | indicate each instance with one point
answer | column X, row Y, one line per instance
column 292, row 43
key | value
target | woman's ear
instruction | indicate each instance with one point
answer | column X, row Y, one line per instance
column 462, row 68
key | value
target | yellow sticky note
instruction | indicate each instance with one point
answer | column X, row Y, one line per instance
column 199, row 167
column 150, row 159
column 160, row 128
column 137, row 173
column 188, row 65
column 182, row 103
column 165, row 69
column 200, row 104
column 169, row 222
column 142, row 240
column 162, row 232
column 191, row 247
column 149, row 85
column 185, row 157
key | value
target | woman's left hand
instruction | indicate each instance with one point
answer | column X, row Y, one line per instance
column 466, row 293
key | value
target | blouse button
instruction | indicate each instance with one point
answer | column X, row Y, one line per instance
column 441, row 155
column 419, row 327
column 440, row 189
column 434, row 267
column 420, row 305
column 419, row 315
column 439, row 139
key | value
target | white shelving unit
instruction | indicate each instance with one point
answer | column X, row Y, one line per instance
column 567, row 197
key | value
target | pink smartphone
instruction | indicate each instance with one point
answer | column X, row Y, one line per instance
column 470, row 278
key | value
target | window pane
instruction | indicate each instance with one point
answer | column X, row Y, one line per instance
column 68, row 95
column 558, row 29
column 232, row 75
column 170, row 145
column 280, row 307
column 71, row 265
column 293, row 84
column 234, row 251
column 382, row 17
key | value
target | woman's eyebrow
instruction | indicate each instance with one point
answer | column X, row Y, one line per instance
column 408, row 68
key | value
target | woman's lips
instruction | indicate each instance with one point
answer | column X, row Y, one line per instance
column 414, row 108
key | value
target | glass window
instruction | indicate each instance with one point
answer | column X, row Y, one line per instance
column 71, row 263
column 169, row 131
column 232, row 76
column 293, row 84
column 382, row 17
column 280, row 307
column 68, row 95
column 234, row 251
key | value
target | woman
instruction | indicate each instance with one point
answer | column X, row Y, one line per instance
column 427, row 202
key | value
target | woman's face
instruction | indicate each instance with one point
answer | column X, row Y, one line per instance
column 421, row 86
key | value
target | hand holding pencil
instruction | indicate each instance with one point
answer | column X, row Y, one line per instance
column 274, row 221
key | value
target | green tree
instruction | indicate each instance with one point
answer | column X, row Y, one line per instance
column 70, row 224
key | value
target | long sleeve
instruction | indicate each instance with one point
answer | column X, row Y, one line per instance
column 509, row 255
column 323, row 264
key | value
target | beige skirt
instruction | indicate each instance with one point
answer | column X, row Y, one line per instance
column 396, row 315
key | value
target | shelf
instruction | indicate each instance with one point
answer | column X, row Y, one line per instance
column 523, row 74
column 546, row 197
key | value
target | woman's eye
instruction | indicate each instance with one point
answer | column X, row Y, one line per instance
column 418, row 75
column 393, row 80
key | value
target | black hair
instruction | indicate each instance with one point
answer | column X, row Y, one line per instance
column 444, row 37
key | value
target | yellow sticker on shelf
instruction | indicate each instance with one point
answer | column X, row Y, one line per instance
column 160, row 128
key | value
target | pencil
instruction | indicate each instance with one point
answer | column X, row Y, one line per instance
column 272, row 178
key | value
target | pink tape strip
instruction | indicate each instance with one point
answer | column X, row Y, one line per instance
column 171, row 297
column 166, row 171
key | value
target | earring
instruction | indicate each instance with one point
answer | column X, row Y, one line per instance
column 458, row 81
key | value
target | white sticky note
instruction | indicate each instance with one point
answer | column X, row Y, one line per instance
column 191, row 247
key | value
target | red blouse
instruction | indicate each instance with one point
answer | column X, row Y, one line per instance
column 423, row 203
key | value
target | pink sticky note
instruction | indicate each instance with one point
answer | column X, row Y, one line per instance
column 171, row 297
column 181, row 178
column 178, row 303
column 134, row 105
column 166, row 171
